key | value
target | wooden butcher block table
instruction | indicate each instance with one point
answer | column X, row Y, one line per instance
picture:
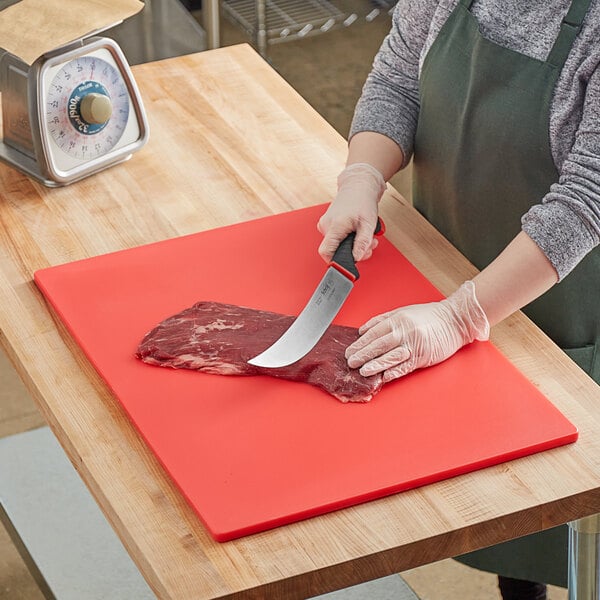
column 231, row 141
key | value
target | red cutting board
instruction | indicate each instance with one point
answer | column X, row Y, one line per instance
column 251, row 453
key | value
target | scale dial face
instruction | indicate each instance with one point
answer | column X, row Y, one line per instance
column 89, row 111
column 75, row 131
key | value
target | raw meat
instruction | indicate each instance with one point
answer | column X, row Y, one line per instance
column 221, row 338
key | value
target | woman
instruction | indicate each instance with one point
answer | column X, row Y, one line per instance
column 498, row 103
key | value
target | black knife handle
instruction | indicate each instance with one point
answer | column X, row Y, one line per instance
column 343, row 259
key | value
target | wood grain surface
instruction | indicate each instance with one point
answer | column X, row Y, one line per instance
column 231, row 141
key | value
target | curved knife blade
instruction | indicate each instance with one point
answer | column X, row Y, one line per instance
column 324, row 304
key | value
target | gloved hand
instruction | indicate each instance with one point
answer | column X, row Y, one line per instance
column 360, row 187
column 421, row 335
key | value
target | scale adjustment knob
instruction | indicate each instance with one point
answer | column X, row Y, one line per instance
column 95, row 108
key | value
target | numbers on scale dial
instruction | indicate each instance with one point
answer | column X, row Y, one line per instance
column 87, row 107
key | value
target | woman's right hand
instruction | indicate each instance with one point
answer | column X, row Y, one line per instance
column 360, row 187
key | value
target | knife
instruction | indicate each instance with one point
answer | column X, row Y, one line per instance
column 327, row 299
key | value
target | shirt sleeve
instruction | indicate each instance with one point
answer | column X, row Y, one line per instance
column 389, row 103
column 566, row 224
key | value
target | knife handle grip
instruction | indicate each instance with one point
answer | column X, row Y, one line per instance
column 343, row 260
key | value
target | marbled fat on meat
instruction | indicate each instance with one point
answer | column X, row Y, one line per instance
column 220, row 338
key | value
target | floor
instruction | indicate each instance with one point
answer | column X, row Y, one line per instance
column 328, row 71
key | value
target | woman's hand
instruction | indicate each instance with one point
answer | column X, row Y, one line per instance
column 360, row 187
column 417, row 336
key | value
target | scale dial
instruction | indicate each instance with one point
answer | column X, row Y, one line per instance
column 89, row 110
column 87, row 107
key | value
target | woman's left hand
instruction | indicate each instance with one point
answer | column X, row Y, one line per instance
column 417, row 336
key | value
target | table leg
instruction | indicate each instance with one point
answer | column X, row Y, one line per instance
column 261, row 27
column 584, row 558
column 210, row 20
column 25, row 556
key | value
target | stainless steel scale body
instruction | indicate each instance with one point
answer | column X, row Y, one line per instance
column 75, row 111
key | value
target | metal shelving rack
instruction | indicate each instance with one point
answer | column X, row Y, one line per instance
column 275, row 21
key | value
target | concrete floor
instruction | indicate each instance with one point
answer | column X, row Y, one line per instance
column 328, row 71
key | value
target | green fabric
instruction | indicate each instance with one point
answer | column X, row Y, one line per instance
column 482, row 158
column 542, row 557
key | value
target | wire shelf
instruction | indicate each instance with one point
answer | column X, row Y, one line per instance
column 273, row 21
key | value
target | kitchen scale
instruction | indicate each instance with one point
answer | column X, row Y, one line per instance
column 74, row 111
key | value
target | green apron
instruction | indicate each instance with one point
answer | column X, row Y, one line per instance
column 482, row 158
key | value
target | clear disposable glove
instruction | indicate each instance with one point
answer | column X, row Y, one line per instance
column 417, row 336
column 360, row 187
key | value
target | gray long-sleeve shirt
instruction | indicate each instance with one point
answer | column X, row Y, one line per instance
column 565, row 223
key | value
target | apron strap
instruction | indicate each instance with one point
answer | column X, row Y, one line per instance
column 466, row 3
column 569, row 28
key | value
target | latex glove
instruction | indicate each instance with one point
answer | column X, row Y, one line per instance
column 417, row 336
column 360, row 187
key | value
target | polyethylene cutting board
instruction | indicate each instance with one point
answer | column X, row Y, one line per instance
column 251, row 453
